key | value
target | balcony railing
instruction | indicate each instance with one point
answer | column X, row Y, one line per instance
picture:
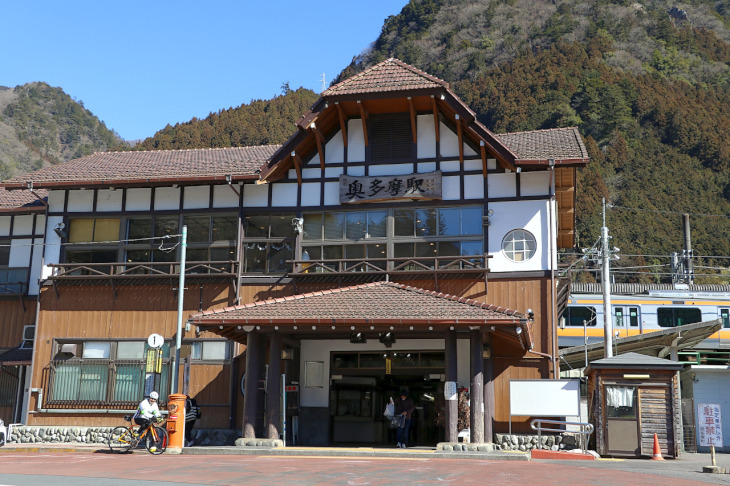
column 416, row 267
column 138, row 272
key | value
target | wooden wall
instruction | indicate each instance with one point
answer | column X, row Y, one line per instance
column 12, row 319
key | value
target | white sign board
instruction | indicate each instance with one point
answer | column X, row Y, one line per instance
column 709, row 424
column 450, row 391
column 544, row 398
column 155, row 341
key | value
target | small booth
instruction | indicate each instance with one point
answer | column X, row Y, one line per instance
column 631, row 398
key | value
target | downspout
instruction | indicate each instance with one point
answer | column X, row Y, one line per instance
column 553, row 306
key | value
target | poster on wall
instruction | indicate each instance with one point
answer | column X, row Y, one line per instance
column 709, row 424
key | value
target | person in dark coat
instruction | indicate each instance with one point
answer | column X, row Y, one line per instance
column 403, row 406
column 192, row 413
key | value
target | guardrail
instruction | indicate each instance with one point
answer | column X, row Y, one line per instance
column 585, row 430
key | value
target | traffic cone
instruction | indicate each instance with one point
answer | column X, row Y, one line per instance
column 657, row 451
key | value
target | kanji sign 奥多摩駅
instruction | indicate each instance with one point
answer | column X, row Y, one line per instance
column 383, row 188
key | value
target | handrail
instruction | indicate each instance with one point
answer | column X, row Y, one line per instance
column 454, row 263
column 138, row 269
column 585, row 431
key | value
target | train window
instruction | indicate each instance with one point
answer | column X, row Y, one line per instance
column 677, row 316
column 725, row 316
column 574, row 316
column 619, row 316
column 634, row 316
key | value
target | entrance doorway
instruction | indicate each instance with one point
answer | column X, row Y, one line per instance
column 357, row 404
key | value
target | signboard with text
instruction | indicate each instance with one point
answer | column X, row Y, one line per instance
column 355, row 190
column 709, row 424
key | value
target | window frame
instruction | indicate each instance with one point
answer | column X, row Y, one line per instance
column 509, row 238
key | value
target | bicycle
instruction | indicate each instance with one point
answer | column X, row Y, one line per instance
column 124, row 438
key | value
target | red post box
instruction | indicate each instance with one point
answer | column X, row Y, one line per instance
column 176, row 421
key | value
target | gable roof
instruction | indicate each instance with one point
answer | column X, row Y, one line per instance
column 634, row 360
column 539, row 146
column 379, row 303
column 150, row 168
column 386, row 76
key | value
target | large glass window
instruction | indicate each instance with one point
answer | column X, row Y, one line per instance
column 268, row 243
column 678, row 316
column 574, row 316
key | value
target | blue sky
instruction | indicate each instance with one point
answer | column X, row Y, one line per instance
column 139, row 65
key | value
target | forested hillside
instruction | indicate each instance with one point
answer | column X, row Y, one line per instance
column 261, row 122
column 42, row 125
column 647, row 83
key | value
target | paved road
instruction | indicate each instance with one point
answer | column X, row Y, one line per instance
column 86, row 469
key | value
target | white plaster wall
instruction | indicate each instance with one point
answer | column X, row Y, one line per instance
column 355, row 141
column 426, row 167
column 491, row 164
column 40, row 224
column 529, row 215
column 291, row 174
column 358, row 170
column 225, row 197
column 107, row 200
column 80, row 201
column 255, row 195
column 167, row 198
column 474, row 187
column 52, row 249
column 449, row 142
column 196, row 197
column 334, row 151
column 310, row 194
column 713, row 386
column 331, row 193
column 139, row 199
column 55, row 201
column 311, row 173
column 23, row 225
column 535, row 183
column 284, row 194
column 333, row 171
column 5, row 225
column 450, row 188
column 472, row 165
column 390, row 169
column 426, row 137
column 468, row 151
column 450, row 166
column 35, row 267
column 20, row 252
column 502, row 185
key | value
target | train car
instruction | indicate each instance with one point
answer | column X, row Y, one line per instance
column 642, row 308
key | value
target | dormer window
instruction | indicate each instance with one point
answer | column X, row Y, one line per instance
column 391, row 137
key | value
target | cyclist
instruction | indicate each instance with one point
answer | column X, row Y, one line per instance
column 147, row 410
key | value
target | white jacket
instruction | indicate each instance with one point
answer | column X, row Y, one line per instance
column 147, row 410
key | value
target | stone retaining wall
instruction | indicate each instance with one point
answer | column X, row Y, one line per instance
column 100, row 435
column 565, row 441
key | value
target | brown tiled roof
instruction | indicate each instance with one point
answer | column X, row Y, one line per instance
column 105, row 168
column 380, row 301
column 389, row 75
column 541, row 145
column 23, row 201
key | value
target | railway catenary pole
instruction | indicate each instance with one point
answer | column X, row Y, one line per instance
column 606, row 281
column 174, row 385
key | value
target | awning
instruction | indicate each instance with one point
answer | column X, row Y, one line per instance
column 654, row 343
column 17, row 357
column 370, row 308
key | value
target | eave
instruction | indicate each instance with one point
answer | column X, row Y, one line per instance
column 135, row 182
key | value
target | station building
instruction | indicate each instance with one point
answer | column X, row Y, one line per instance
column 393, row 242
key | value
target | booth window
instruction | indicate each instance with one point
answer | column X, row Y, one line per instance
column 620, row 402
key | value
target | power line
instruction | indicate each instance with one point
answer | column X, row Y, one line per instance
column 659, row 211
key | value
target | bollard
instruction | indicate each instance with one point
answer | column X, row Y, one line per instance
column 176, row 422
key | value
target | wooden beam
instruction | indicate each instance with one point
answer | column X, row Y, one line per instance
column 435, row 116
column 343, row 126
column 483, row 150
column 320, row 140
column 459, row 132
column 297, row 166
column 364, row 117
column 413, row 119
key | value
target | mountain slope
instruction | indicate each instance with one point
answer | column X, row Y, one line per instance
column 42, row 125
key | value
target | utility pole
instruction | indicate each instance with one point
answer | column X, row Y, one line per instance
column 687, row 253
column 606, row 281
column 174, row 388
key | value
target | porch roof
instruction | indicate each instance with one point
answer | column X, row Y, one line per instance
column 374, row 306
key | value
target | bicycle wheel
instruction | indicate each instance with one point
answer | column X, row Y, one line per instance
column 120, row 440
column 156, row 440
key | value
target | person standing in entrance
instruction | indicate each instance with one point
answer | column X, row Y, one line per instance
column 404, row 407
column 192, row 413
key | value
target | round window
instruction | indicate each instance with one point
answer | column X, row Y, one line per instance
column 519, row 245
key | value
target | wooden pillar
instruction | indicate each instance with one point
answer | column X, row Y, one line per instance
column 273, row 388
column 452, row 396
column 476, row 405
column 488, row 392
column 254, row 366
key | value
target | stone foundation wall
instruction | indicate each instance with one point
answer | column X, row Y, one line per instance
column 100, row 435
column 565, row 441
